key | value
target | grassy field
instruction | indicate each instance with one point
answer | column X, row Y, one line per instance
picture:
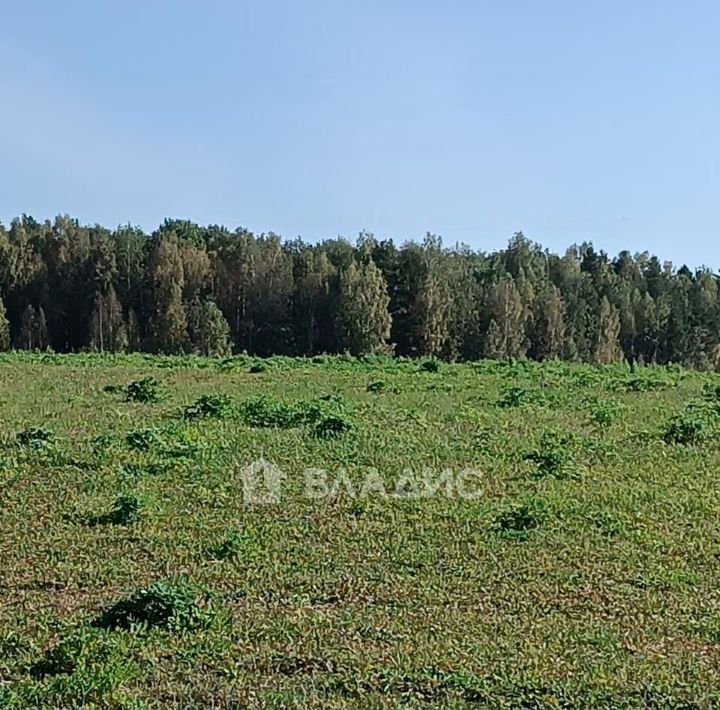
column 579, row 566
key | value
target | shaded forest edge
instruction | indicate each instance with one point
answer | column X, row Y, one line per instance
column 187, row 288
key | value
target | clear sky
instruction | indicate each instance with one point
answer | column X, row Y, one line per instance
column 570, row 120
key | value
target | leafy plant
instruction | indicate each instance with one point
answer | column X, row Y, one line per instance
column 647, row 382
column 35, row 437
column 172, row 605
column 143, row 440
column 517, row 521
column 331, row 426
column 689, row 427
column 711, row 392
column 242, row 545
column 125, row 511
column 145, row 390
column 209, row 406
column 515, row 396
column 262, row 411
column 551, row 456
column 430, row 365
column 604, row 412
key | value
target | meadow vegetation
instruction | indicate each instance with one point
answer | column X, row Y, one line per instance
column 135, row 574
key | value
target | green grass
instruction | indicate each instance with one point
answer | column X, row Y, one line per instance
column 134, row 574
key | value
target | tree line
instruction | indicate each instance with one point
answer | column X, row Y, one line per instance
column 188, row 288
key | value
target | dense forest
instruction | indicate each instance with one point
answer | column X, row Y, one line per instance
column 188, row 288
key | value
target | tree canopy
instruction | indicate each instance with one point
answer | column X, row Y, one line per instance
column 189, row 288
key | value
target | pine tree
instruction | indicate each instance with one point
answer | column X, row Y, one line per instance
column 363, row 317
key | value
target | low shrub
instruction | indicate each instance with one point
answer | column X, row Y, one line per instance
column 331, row 426
column 35, row 438
column 166, row 604
column 515, row 396
column 689, row 427
column 431, row 365
column 711, row 392
column 240, row 545
column 517, row 521
column 604, row 412
column 209, row 406
column 143, row 440
column 552, row 457
column 125, row 511
column 264, row 412
column 145, row 390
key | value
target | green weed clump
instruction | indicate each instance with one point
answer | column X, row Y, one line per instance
column 241, row 545
column 692, row 426
column 324, row 414
column 125, row 511
column 166, row 604
column 604, row 412
column 83, row 647
column 711, row 393
column 552, row 457
column 143, row 440
column 647, row 382
column 35, row 438
column 430, row 365
column 209, row 406
column 517, row 521
column 264, row 412
column 146, row 390
column 331, row 426
column 515, row 397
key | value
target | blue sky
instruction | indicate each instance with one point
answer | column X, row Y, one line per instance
column 567, row 120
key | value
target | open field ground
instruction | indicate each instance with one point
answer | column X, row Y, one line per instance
column 561, row 549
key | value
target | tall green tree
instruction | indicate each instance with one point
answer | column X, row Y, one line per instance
column 168, row 323
column 506, row 336
column 363, row 317
column 549, row 323
column 608, row 348
column 208, row 329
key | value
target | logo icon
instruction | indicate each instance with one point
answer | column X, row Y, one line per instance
column 262, row 483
